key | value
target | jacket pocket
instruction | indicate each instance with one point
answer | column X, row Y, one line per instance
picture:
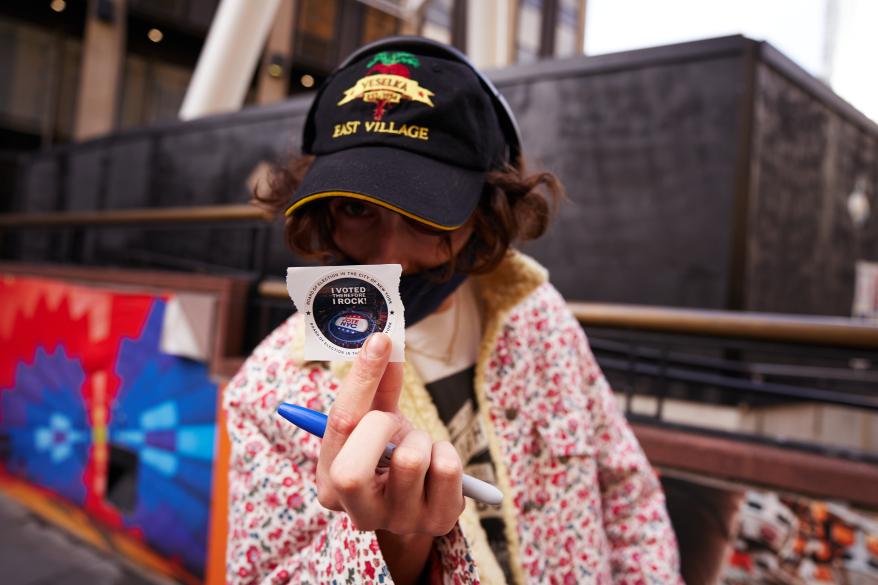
column 564, row 464
column 566, row 437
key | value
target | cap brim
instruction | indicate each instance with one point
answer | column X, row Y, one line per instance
column 433, row 192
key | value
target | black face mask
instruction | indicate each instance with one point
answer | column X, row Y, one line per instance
column 423, row 292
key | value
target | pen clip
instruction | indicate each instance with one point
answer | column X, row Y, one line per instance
column 384, row 462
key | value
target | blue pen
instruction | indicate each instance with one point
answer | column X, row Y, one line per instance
column 315, row 423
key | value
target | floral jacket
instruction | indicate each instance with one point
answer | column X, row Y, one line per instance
column 582, row 503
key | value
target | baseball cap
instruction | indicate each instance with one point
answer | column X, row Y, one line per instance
column 412, row 131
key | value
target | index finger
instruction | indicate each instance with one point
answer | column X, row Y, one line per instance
column 389, row 388
column 354, row 399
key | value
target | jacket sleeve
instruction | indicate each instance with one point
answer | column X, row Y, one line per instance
column 636, row 523
column 278, row 531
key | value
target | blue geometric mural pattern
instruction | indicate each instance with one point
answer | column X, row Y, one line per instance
column 46, row 421
column 165, row 412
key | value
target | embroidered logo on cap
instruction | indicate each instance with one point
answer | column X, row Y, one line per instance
column 387, row 82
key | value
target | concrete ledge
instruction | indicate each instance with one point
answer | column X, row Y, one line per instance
column 761, row 465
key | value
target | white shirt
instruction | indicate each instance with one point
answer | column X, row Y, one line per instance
column 445, row 343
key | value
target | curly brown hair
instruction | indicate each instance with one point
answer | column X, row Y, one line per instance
column 514, row 207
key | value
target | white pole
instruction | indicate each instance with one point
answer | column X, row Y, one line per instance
column 227, row 61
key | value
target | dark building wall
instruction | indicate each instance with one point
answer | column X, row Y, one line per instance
column 10, row 167
column 647, row 157
column 206, row 162
column 808, row 153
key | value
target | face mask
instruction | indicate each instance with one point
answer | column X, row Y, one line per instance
column 422, row 293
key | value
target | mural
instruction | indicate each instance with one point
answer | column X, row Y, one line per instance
column 93, row 412
column 46, row 424
column 795, row 541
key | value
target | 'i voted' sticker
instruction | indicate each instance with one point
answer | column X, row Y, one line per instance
column 348, row 310
column 344, row 305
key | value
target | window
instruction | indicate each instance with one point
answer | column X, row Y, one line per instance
column 378, row 24
column 567, row 29
column 529, row 24
column 152, row 91
column 41, row 74
column 437, row 21
column 316, row 25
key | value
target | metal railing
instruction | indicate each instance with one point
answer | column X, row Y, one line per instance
column 762, row 326
column 72, row 234
column 127, row 217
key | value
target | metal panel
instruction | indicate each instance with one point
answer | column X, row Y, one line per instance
column 803, row 244
column 39, row 191
column 647, row 160
column 85, row 180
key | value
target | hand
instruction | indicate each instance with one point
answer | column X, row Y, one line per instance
column 421, row 491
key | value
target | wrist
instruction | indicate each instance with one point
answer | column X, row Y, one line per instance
column 406, row 555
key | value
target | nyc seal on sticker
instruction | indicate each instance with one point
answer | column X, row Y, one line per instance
column 344, row 305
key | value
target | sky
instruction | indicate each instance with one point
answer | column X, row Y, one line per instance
column 798, row 28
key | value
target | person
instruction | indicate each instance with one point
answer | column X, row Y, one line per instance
column 412, row 157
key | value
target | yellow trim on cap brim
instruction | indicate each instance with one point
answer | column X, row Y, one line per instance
column 369, row 199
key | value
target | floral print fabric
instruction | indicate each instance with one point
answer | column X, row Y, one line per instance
column 583, row 504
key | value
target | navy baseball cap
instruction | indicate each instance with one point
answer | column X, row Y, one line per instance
column 414, row 132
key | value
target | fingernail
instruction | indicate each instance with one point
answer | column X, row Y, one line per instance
column 377, row 346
